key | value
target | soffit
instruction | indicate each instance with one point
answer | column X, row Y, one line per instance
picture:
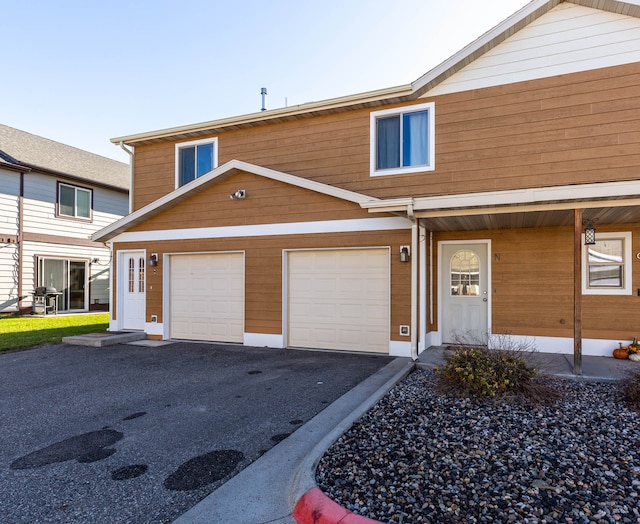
column 621, row 210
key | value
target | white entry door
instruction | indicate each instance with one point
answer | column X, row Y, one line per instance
column 465, row 293
column 133, row 284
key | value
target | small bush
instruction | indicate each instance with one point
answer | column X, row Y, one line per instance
column 485, row 372
column 629, row 390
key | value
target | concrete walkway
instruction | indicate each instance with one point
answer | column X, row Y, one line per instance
column 282, row 484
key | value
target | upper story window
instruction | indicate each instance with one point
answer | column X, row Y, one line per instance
column 606, row 265
column 74, row 201
column 403, row 140
column 194, row 159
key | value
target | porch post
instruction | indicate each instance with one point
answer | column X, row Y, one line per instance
column 577, row 292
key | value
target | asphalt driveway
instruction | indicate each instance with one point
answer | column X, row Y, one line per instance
column 137, row 434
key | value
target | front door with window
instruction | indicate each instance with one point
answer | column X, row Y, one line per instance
column 465, row 298
column 133, row 285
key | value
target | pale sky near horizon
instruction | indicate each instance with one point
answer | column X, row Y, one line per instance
column 83, row 71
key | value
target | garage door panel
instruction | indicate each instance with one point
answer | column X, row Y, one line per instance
column 207, row 297
column 339, row 299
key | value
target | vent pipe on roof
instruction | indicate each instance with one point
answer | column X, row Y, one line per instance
column 263, row 92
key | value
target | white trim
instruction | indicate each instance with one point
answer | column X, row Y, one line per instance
column 261, row 230
column 510, row 197
column 431, row 137
column 398, row 348
column 264, row 340
column 591, row 347
column 154, row 328
column 422, row 292
column 192, row 143
column 211, row 178
column 627, row 262
column 438, row 335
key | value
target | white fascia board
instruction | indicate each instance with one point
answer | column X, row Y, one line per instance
column 210, row 178
column 272, row 114
column 577, row 192
column 531, row 195
column 261, row 230
column 463, row 56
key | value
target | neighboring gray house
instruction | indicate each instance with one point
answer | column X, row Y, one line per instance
column 53, row 197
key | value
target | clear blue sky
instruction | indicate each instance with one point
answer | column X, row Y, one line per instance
column 84, row 71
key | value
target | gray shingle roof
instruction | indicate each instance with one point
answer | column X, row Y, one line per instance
column 37, row 152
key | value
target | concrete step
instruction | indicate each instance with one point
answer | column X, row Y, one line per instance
column 98, row 340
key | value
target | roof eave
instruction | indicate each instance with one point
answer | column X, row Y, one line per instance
column 269, row 115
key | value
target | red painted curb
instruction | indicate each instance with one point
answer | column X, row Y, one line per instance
column 314, row 507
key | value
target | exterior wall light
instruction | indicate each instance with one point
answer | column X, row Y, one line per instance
column 589, row 235
column 404, row 253
column 153, row 260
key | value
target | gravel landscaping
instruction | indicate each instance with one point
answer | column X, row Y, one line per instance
column 422, row 456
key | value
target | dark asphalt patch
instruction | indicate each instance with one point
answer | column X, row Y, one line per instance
column 254, row 372
column 280, row 437
column 129, row 472
column 88, row 447
column 296, row 421
column 135, row 415
column 203, row 470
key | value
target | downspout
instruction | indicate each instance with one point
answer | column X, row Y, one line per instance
column 130, row 153
column 21, row 245
column 415, row 246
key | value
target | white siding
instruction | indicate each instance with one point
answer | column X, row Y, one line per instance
column 40, row 209
column 9, row 199
column 567, row 39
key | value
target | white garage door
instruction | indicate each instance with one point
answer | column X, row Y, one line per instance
column 207, row 297
column 339, row 299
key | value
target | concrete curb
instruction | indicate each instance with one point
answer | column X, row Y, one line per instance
column 264, row 492
column 311, row 505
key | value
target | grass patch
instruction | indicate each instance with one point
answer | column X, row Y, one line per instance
column 26, row 332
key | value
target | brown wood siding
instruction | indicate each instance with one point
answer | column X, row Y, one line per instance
column 263, row 272
column 532, row 285
column 267, row 202
column 575, row 128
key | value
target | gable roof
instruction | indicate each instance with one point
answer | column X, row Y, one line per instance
column 33, row 152
column 213, row 177
column 492, row 38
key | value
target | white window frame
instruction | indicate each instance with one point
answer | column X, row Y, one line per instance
column 430, row 107
column 626, row 288
column 75, row 202
column 194, row 143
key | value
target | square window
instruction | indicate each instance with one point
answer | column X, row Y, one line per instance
column 402, row 140
column 194, row 159
column 74, row 201
column 607, row 265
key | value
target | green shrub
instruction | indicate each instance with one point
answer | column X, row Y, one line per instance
column 486, row 372
column 629, row 390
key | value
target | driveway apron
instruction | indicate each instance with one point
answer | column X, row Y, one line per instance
column 128, row 433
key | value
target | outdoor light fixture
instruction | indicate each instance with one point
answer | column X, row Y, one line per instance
column 153, row 260
column 240, row 193
column 404, row 253
column 589, row 235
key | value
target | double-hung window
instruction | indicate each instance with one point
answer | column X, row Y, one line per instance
column 606, row 265
column 74, row 201
column 403, row 140
column 194, row 159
